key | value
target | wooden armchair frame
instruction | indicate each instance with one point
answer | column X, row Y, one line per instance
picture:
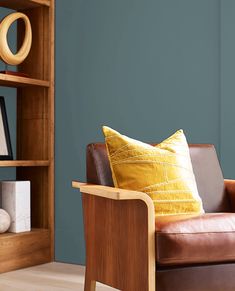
column 120, row 238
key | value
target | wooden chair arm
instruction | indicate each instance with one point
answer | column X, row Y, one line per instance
column 230, row 189
column 117, row 209
column 114, row 193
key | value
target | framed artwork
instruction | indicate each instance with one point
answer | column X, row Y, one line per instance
column 5, row 142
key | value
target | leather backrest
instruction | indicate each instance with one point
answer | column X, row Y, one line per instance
column 206, row 168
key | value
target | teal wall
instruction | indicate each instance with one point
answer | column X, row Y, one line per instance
column 227, row 87
column 146, row 68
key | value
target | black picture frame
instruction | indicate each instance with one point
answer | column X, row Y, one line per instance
column 5, row 141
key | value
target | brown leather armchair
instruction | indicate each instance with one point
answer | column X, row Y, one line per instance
column 128, row 250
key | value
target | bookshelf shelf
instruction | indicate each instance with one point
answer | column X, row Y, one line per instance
column 17, row 82
column 24, row 4
column 24, row 163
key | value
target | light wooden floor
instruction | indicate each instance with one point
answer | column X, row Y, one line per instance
column 48, row 277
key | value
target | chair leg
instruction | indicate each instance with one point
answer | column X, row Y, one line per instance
column 89, row 283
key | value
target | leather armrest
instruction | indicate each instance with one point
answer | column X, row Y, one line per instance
column 230, row 189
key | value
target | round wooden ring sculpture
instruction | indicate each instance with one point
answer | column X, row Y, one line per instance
column 5, row 53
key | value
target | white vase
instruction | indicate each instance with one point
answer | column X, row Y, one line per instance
column 5, row 221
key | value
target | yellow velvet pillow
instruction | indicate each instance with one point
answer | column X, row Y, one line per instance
column 163, row 171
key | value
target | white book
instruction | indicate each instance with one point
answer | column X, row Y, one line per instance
column 16, row 201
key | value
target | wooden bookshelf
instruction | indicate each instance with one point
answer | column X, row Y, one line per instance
column 34, row 159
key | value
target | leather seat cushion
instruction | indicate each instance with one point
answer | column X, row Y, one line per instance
column 187, row 239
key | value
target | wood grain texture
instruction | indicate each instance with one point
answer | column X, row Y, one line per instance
column 35, row 118
column 38, row 176
column 17, row 81
column 120, row 237
column 23, row 4
column 24, row 163
column 25, row 249
column 89, row 284
column 51, row 124
column 35, row 136
column 112, row 193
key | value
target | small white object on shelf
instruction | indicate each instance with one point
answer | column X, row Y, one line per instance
column 16, row 201
column 5, row 221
